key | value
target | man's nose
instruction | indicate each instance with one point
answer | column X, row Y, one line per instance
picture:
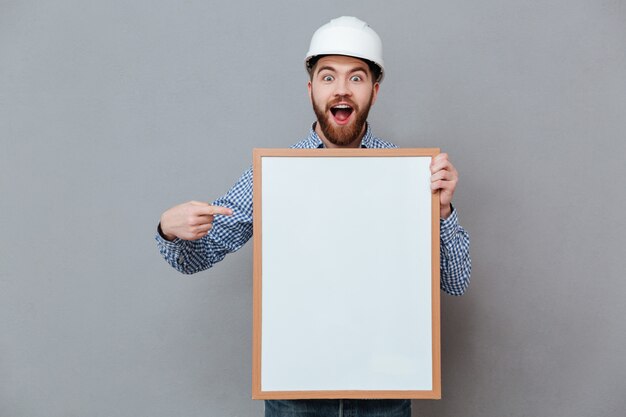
column 342, row 88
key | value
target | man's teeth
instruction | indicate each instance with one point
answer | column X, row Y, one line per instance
column 341, row 106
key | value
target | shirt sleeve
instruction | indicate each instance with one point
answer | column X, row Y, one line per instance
column 228, row 234
column 456, row 264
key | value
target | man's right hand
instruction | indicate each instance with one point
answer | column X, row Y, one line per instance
column 190, row 221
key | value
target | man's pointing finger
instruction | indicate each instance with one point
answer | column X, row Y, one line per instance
column 225, row 211
column 205, row 209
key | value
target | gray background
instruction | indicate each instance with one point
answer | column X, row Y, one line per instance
column 113, row 111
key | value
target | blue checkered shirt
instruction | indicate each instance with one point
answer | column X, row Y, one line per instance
column 229, row 233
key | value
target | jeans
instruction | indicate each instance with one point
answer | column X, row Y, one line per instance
column 338, row 408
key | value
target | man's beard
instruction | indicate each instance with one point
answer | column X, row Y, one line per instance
column 347, row 134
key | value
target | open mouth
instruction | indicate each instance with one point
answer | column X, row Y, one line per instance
column 341, row 112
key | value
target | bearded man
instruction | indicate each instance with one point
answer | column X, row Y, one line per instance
column 345, row 69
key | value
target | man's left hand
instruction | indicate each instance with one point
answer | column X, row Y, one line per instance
column 444, row 178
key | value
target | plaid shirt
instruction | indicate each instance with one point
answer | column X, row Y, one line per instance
column 229, row 233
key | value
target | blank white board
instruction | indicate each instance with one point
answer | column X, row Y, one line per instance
column 344, row 274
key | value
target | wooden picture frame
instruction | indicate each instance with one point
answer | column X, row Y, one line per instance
column 346, row 274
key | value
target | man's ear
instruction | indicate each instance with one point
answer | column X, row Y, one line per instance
column 375, row 92
column 309, row 88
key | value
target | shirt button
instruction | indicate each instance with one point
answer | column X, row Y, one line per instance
column 181, row 259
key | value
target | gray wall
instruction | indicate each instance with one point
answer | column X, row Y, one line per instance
column 113, row 111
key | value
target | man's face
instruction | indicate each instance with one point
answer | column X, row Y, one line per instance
column 342, row 91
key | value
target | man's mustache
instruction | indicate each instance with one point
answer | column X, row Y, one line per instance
column 342, row 100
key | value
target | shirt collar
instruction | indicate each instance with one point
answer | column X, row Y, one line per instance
column 315, row 141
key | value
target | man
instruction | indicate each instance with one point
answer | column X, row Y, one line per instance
column 345, row 66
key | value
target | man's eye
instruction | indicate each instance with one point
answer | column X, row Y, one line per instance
column 355, row 78
column 328, row 78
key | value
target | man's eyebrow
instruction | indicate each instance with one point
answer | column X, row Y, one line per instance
column 325, row 67
column 359, row 68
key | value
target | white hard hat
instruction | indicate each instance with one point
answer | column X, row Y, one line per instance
column 348, row 36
